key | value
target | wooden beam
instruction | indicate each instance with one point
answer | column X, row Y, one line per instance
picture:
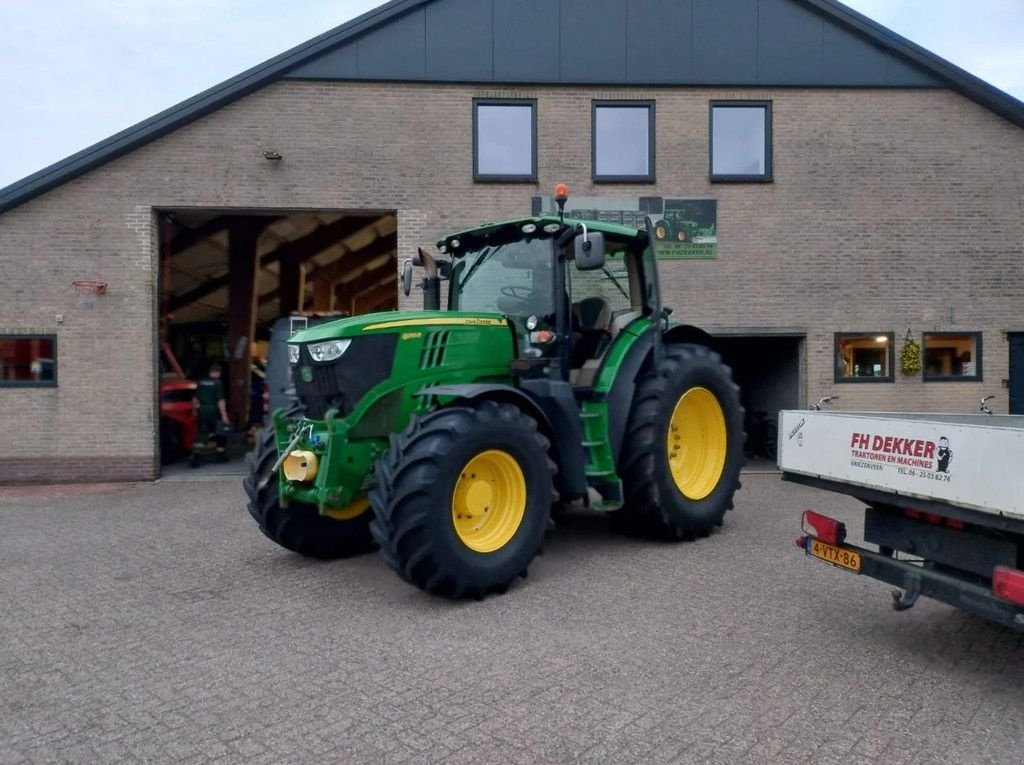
column 301, row 249
column 323, row 296
column 242, row 261
column 376, row 297
column 366, row 280
column 347, row 264
column 186, row 237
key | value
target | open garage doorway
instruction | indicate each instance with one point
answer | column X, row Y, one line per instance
column 768, row 370
column 226, row 278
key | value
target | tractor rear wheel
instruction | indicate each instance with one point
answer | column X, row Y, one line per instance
column 463, row 499
column 300, row 527
column 683, row 449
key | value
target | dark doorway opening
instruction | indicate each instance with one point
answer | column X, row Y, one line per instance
column 227, row 276
column 767, row 369
column 1016, row 341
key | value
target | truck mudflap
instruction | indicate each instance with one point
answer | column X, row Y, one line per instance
column 916, row 581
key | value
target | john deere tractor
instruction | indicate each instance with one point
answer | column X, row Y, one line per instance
column 448, row 438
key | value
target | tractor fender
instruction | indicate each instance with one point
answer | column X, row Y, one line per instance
column 687, row 333
column 620, row 396
column 552, row 405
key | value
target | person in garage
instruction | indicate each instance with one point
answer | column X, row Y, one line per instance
column 213, row 414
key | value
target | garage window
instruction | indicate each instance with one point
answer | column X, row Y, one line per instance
column 504, row 140
column 28, row 360
column 949, row 356
column 741, row 141
column 864, row 357
column 623, row 141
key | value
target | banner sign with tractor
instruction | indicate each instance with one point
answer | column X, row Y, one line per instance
column 686, row 229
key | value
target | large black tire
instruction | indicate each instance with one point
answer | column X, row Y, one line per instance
column 414, row 501
column 655, row 503
column 299, row 527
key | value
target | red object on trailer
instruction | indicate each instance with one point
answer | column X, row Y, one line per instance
column 1008, row 583
column 824, row 528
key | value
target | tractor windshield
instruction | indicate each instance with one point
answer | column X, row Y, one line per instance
column 513, row 278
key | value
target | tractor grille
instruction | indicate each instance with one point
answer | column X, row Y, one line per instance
column 434, row 345
column 341, row 383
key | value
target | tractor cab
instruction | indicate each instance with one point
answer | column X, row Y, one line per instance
column 567, row 287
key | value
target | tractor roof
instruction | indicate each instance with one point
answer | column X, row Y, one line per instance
column 488, row 230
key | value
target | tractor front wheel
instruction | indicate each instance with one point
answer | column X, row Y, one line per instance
column 300, row 527
column 463, row 499
column 683, row 450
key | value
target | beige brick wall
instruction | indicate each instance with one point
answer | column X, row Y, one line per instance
column 890, row 210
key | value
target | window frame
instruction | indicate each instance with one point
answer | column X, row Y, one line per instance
column 891, row 377
column 479, row 177
column 649, row 104
column 768, row 175
column 979, row 369
column 32, row 383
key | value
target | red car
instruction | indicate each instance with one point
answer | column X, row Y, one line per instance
column 178, row 419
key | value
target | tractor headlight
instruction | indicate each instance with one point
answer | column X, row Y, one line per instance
column 293, row 354
column 328, row 351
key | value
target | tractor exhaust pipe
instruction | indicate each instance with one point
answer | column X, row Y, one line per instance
column 431, row 282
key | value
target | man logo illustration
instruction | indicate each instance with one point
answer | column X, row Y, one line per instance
column 945, row 456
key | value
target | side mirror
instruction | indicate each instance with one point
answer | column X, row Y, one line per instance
column 589, row 248
column 407, row 277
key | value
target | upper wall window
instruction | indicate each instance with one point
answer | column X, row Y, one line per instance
column 950, row 356
column 623, row 141
column 28, row 360
column 504, row 140
column 741, row 141
column 866, row 357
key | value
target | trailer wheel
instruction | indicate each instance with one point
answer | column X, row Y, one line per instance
column 463, row 499
column 300, row 527
column 683, row 449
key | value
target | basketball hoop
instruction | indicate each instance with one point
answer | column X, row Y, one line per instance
column 88, row 290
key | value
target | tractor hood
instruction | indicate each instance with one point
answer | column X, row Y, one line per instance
column 394, row 321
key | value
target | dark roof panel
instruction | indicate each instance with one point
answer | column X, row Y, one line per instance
column 724, row 42
column 659, row 45
column 526, row 40
column 790, row 43
column 593, row 41
column 460, row 40
column 395, row 51
column 771, row 43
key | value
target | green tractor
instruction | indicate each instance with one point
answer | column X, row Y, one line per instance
column 674, row 226
column 448, row 438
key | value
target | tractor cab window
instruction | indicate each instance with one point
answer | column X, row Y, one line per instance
column 603, row 303
column 514, row 278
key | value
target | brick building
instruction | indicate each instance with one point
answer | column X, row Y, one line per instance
column 825, row 189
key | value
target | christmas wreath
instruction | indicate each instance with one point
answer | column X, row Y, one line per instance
column 910, row 357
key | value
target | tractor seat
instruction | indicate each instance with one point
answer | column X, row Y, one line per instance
column 592, row 317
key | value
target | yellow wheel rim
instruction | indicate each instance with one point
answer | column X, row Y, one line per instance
column 489, row 501
column 660, row 232
column 681, row 235
column 347, row 513
column 697, row 443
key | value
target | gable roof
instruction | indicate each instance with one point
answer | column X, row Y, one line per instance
column 375, row 46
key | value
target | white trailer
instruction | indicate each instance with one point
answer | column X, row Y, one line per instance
column 944, row 496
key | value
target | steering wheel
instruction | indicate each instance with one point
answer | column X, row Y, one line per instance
column 516, row 292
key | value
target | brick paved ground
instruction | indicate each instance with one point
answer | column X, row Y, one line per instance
column 155, row 623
